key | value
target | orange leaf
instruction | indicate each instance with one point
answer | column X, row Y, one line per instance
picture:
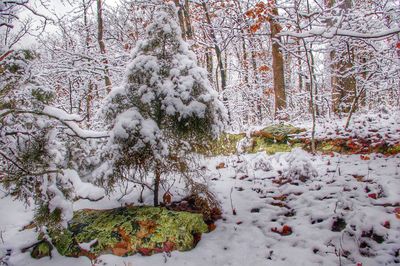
column 250, row 14
column 147, row 227
column 119, row 251
column 364, row 157
column 285, row 231
column 254, row 28
column 221, row 165
column 211, row 227
column 263, row 68
column 397, row 212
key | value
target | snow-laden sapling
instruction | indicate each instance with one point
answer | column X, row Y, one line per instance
column 165, row 104
column 34, row 156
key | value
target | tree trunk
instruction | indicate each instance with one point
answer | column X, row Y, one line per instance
column 209, row 61
column 157, row 179
column 277, row 64
column 217, row 49
column 100, row 33
column 87, row 43
column 181, row 18
column 184, row 19
column 218, row 53
column 344, row 86
column 188, row 22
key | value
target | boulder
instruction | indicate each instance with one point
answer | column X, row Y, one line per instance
column 128, row 230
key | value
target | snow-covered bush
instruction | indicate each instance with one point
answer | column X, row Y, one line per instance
column 34, row 153
column 299, row 166
column 165, row 103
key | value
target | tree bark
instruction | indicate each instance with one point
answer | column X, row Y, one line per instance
column 100, row 33
column 89, row 97
column 157, row 179
column 217, row 49
column 184, row 19
column 344, row 86
column 277, row 64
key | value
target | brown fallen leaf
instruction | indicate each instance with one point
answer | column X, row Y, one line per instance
column 220, row 166
column 285, row 231
column 119, row 251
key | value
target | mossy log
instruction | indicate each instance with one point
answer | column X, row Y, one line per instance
column 283, row 138
column 128, row 230
column 271, row 139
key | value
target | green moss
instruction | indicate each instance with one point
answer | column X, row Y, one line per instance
column 330, row 146
column 64, row 242
column 224, row 145
column 43, row 249
column 129, row 229
column 262, row 144
column 271, row 139
column 395, row 149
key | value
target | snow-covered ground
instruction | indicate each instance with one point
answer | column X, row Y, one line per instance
column 290, row 209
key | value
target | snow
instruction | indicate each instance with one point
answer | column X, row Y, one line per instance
column 375, row 126
column 58, row 201
column 250, row 182
column 86, row 245
column 70, row 121
column 82, row 189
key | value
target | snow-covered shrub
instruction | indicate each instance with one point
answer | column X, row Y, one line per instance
column 165, row 103
column 33, row 148
column 299, row 166
column 261, row 163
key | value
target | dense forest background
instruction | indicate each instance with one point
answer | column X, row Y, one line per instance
column 267, row 59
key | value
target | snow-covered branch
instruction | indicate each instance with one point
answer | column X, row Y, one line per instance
column 64, row 118
column 331, row 33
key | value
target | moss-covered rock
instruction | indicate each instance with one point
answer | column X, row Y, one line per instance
column 263, row 144
column 128, row 230
column 279, row 133
column 271, row 139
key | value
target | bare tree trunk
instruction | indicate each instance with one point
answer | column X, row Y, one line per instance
column 184, row 19
column 87, row 43
column 209, row 61
column 312, row 100
column 218, row 53
column 217, row 49
column 344, row 86
column 157, row 179
column 100, row 33
column 188, row 22
column 277, row 65
column 181, row 18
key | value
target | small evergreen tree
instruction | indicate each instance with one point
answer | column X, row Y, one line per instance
column 166, row 103
column 34, row 154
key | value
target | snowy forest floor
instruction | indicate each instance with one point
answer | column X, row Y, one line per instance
column 285, row 209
